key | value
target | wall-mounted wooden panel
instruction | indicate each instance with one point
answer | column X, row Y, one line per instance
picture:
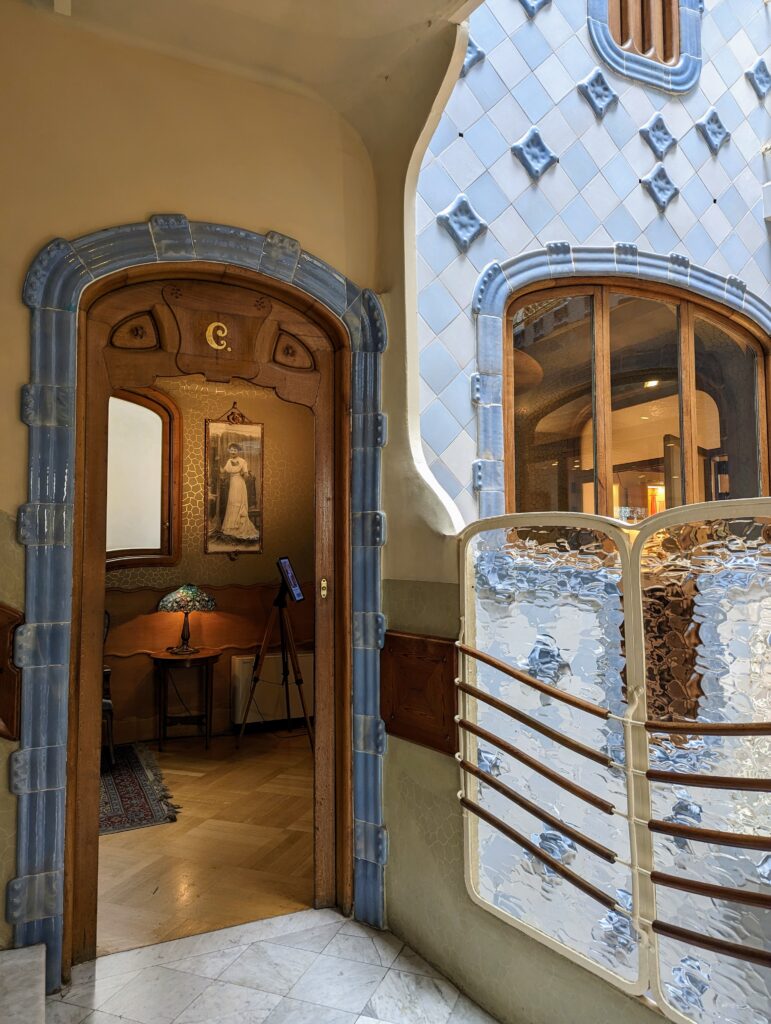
column 10, row 677
column 417, row 689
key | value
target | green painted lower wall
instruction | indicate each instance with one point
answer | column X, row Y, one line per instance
column 413, row 606
column 514, row 977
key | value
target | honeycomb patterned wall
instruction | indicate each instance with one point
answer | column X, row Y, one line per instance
column 288, row 488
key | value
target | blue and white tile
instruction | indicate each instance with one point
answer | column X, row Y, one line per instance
column 508, row 63
column 461, row 163
column 413, row 999
column 339, row 984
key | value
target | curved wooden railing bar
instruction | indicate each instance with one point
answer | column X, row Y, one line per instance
column 534, row 724
column 710, row 728
column 536, row 851
column 530, row 762
column 734, row 949
column 711, row 781
column 715, row 892
column 744, row 840
column 527, row 805
column 536, row 684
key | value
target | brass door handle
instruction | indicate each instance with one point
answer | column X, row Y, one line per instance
column 324, row 588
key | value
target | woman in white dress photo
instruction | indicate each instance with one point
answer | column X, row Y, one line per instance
column 233, row 498
column 236, row 522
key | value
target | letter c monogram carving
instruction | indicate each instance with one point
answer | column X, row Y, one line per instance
column 216, row 334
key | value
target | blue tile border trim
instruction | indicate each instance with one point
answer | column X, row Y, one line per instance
column 52, row 290
column 498, row 282
column 679, row 77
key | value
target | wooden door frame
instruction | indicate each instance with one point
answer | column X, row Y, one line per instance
column 333, row 844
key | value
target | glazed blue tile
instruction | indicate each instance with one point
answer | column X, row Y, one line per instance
column 534, row 154
column 661, row 236
column 736, row 252
column 700, row 245
column 713, row 130
column 657, row 97
column 436, row 247
column 575, row 59
column 457, row 398
column 446, row 132
column 368, row 890
column 486, row 198
column 621, row 227
column 695, row 102
column 619, row 125
column 366, row 673
column 446, row 479
column 533, row 98
column 598, row 92
column 533, row 6
column 367, row 787
column 733, row 205
column 727, row 65
column 486, row 29
column 438, row 427
column 327, row 285
column 437, row 366
column 116, row 248
column 658, row 136
column 485, row 84
column 534, row 209
column 280, row 256
column 660, row 187
column 620, row 175
column 462, row 223
column 580, row 219
column 474, row 55
column 763, row 259
column 530, row 42
column 578, row 165
column 487, row 250
column 726, row 21
column 172, row 238
column 697, row 195
column 731, row 160
column 730, row 112
column 577, row 112
column 486, row 141
column 574, row 14
column 760, row 122
column 695, row 147
column 436, row 187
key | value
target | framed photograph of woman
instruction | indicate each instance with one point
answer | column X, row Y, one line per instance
column 233, row 500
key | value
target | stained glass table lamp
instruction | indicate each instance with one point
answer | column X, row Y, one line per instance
column 187, row 598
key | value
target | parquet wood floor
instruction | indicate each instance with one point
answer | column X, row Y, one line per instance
column 241, row 849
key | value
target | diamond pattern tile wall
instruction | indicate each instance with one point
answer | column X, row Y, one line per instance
column 540, row 71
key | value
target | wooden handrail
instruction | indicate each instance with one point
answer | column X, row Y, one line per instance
column 749, row 953
column 744, row 840
column 572, row 787
column 538, row 812
column 711, row 781
column 536, row 684
column 536, row 851
column 715, row 892
column 710, row 728
column 533, row 723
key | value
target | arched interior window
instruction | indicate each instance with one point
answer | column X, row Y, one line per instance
column 624, row 403
column 650, row 28
column 143, row 478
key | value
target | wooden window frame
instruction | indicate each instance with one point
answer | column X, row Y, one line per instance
column 690, row 308
column 168, row 552
column 649, row 28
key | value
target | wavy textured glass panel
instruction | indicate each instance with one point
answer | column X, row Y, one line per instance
column 707, row 624
column 548, row 601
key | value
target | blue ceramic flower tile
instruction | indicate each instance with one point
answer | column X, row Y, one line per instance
column 760, row 78
column 534, row 155
column 533, row 6
column 461, row 222
column 660, row 187
column 598, row 92
column 714, row 131
column 474, row 54
column 658, row 136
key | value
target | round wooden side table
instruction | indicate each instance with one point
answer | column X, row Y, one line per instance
column 164, row 663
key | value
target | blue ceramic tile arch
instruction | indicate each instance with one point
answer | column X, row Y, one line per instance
column 500, row 281
column 52, row 291
column 679, row 77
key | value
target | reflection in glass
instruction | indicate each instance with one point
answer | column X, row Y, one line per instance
column 645, row 424
column 726, row 414
column 553, row 405
column 134, row 477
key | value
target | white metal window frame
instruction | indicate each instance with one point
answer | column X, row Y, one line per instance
column 630, row 541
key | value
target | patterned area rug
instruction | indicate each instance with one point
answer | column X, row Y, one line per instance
column 133, row 793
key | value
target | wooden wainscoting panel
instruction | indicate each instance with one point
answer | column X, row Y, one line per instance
column 10, row 677
column 417, row 689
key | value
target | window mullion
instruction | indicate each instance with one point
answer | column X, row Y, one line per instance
column 690, row 447
column 603, row 453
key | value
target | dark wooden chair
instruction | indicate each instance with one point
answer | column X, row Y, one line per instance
column 107, row 708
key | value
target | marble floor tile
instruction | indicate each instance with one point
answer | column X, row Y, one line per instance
column 409, row 962
column 222, row 1003
column 312, row 939
column 208, row 965
column 368, row 946
column 156, row 996
column 22, row 993
column 100, row 1017
column 95, row 993
column 466, row 1012
column 293, row 1011
column 58, row 1012
column 269, row 967
column 412, row 999
column 341, row 984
